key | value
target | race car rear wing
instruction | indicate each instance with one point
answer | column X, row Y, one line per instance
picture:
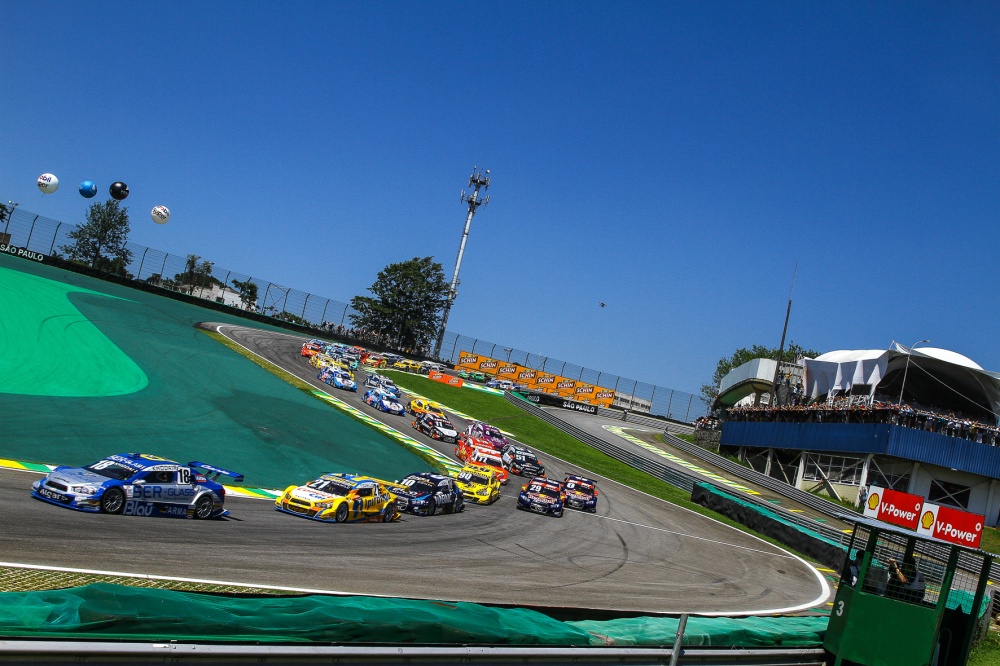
column 216, row 472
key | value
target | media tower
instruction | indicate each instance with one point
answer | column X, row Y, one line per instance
column 477, row 180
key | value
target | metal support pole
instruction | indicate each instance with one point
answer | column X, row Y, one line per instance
column 28, row 243
column 678, row 639
column 164, row 267
column 344, row 316
column 263, row 301
column 323, row 316
column 10, row 214
column 139, row 274
column 303, row 315
column 670, row 401
column 906, row 369
column 687, row 414
column 55, row 234
column 453, row 348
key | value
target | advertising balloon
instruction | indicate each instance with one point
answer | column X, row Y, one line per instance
column 48, row 183
column 88, row 189
column 160, row 214
column 119, row 191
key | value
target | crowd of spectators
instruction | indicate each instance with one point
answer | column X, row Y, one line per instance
column 707, row 423
column 843, row 410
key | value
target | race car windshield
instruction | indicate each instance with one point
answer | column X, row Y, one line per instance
column 111, row 470
column 330, row 486
column 441, row 423
column 474, row 478
column 420, row 486
column 548, row 491
column 583, row 490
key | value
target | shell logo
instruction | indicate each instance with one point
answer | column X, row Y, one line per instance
column 873, row 501
column 927, row 520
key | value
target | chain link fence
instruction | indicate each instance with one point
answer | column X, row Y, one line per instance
column 203, row 279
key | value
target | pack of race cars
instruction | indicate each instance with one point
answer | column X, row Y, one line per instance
column 147, row 485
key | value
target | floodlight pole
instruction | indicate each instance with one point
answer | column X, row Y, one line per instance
column 476, row 180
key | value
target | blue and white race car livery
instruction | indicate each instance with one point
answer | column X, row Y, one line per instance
column 337, row 378
column 138, row 484
column 383, row 400
column 378, row 381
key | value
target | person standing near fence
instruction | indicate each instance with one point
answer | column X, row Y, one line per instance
column 862, row 496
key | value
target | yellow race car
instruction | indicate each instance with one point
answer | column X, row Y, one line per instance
column 419, row 406
column 340, row 498
column 479, row 484
column 320, row 361
column 406, row 365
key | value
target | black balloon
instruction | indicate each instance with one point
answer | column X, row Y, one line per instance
column 119, row 191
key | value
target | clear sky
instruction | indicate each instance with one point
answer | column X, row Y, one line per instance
column 674, row 160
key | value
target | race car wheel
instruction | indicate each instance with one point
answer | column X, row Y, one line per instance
column 341, row 515
column 458, row 506
column 203, row 507
column 113, row 501
column 389, row 514
column 431, row 508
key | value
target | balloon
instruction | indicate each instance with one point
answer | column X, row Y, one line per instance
column 119, row 191
column 88, row 189
column 160, row 214
column 48, row 183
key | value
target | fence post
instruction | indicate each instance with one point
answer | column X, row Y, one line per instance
column 688, row 413
column 54, row 235
column 303, row 315
column 670, row 401
column 26, row 245
column 545, row 359
column 263, row 301
column 344, row 317
column 138, row 275
column 284, row 303
column 164, row 266
column 453, row 348
column 678, row 639
column 323, row 316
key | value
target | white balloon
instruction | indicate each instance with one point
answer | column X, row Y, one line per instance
column 160, row 214
column 48, row 183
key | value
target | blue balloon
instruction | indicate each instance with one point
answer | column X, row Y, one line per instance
column 88, row 189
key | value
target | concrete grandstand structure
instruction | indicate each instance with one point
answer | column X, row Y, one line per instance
column 923, row 421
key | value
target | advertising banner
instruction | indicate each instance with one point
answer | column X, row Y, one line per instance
column 545, row 381
column 446, row 379
column 468, row 361
column 565, row 387
column 508, row 371
column 527, row 377
column 553, row 401
column 603, row 397
column 893, row 506
column 951, row 525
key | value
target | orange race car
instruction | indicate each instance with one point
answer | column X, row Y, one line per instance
column 312, row 347
column 373, row 360
column 471, row 454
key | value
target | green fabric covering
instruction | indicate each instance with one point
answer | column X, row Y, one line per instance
column 103, row 611
column 805, row 631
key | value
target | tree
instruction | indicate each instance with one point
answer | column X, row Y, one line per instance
column 409, row 298
column 100, row 242
column 197, row 275
column 248, row 293
column 741, row 356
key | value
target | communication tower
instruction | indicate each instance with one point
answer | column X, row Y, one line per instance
column 476, row 181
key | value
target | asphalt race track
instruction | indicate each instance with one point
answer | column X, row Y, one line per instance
column 635, row 554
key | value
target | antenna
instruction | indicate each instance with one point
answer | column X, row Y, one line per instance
column 477, row 180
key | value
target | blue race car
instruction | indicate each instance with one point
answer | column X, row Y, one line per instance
column 425, row 493
column 378, row 381
column 542, row 495
column 337, row 378
column 138, row 484
column 581, row 493
column 381, row 399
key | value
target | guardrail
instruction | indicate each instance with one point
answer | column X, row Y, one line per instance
column 74, row 652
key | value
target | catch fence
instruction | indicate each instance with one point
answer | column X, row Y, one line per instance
column 201, row 278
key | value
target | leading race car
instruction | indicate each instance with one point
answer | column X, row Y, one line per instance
column 542, row 495
column 384, row 401
column 523, row 462
column 337, row 378
column 425, row 493
column 312, row 347
column 423, row 406
column 581, row 493
column 340, row 498
column 436, row 427
column 138, row 484
column 378, row 381
column 479, row 484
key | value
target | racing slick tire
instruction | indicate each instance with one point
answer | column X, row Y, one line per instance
column 204, row 507
column 458, row 505
column 341, row 515
column 113, row 500
column 389, row 514
column 431, row 508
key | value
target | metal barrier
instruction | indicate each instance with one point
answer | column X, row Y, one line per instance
column 203, row 279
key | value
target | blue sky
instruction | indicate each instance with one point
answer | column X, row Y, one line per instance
column 673, row 160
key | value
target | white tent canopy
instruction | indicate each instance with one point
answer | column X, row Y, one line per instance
column 935, row 376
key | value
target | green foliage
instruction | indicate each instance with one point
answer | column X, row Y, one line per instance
column 987, row 651
column 406, row 309
column 744, row 354
column 248, row 292
column 991, row 541
column 196, row 275
column 100, row 242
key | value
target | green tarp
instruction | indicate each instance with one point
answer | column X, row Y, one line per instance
column 103, row 611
